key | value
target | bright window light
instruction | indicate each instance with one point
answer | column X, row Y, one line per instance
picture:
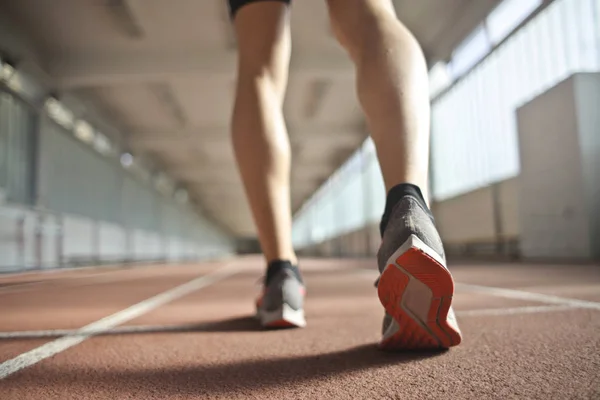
column 84, row 131
column 439, row 79
column 507, row 16
column 470, row 52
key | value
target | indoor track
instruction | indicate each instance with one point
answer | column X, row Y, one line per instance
column 181, row 332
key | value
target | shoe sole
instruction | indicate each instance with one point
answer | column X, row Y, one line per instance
column 416, row 290
column 284, row 317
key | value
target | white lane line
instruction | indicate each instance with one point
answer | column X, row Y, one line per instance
column 74, row 282
column 97, row 278
column 40, row 334
column 567, row 303
column 49, row 349
column 52, row 333
column 513, row 311
column 67, row 280
column 523, row 295
column 10, row 288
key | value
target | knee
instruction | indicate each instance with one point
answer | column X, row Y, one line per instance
column 259, row 70
column 357, row 23
column 264, row 69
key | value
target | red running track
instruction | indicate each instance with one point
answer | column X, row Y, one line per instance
column 530, row 332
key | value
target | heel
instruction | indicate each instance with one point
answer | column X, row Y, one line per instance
column 416, row 289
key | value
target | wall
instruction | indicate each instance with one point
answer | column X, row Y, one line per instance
column 16, row 148
column 475, row 137
column 32, row 239
column 484, row 215
column 554, row 216
column 73, row 179
column 484, row 222
column 587, row 91
column 65, row 203
column 475, row 153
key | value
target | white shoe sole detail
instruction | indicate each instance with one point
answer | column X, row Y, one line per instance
column 417, row 297
column 285, row 313
column 391, row 330
column 414, row 241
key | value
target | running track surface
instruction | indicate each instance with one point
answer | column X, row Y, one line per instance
column 530, row 332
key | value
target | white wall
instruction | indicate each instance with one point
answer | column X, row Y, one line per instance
column 486, row 215
column 466, row 218
column 554, row 217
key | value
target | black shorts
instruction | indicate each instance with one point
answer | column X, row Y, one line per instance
column 235, row 5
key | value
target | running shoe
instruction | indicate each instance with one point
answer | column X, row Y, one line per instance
column 281, row 303
column 415, row 287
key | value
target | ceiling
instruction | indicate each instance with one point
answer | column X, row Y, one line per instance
column 163, row 71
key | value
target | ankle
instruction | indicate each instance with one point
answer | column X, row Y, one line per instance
column 292, row 259
column 275, row 266
column 395, row 195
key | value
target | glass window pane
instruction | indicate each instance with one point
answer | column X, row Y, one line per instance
column 470, row 52
column 507, row 16
column 474, row 138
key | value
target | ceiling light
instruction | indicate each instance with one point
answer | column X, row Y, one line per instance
column 126, row 160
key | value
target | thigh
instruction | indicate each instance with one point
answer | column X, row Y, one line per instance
column 235, row 5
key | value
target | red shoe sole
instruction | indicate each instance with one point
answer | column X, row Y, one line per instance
column 416, row 290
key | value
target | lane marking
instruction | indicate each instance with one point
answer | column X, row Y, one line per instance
column 514, row 310
column 49, row 349
column 90, row 279
column 49, row 276
column 199, row 327
column 39, row 334
column 123, row 330
column 73, row 282
column 518, row 294
column 11, row 288
column 523, row 295
column 58, row 280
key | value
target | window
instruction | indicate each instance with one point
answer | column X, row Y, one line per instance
column 474, row 127
column 507, row 16
column 17, row 124
column 439, row 79
column 470, row 52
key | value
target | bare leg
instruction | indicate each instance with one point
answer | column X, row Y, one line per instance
column 393, row 90
column 259, row 133
column 392, row 86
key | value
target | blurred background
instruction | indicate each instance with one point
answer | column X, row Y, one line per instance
column 114, row 141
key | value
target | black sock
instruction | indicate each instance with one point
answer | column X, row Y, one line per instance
column 394, row 196
column 276, row 266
